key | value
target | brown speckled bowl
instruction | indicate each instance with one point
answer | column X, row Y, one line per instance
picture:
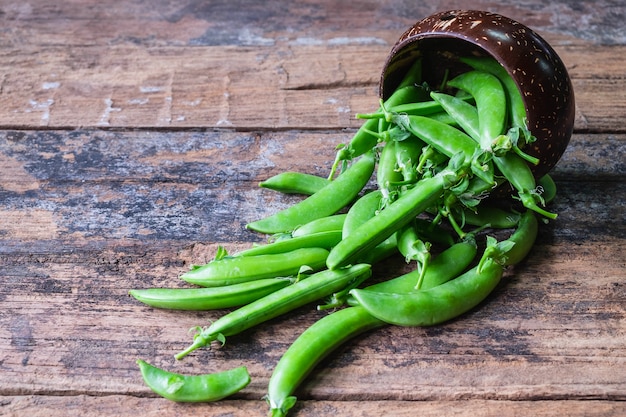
column 536, row 68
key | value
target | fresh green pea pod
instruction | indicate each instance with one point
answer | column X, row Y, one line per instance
column 491, row 103
column 361, row 211
column 408, row 153
column 308, row 350
column 305, row 291
column 447, row 265
column 436, row 305
column 238, row 269
column 324, row 240
column 464, row 113
column 295, row 183
column 194, row 388
column 329, row 200
column 413, row 248
column 387, row 174
column 524, row 238
column 495, row 217
column 324, row 224
column 202, row 299
column 518, row 173
column 516, row 106
column 377, row 229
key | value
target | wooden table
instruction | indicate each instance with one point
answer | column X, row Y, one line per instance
column 133, row 136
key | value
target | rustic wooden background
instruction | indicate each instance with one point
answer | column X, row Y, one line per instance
column 132, row 138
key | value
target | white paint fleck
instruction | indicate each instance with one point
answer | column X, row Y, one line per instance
column 106, row 114
column 150, row 89
column 193, row 103
column 180, row 119
column 331, row 101
column 43, row 107
column 343, row 109
column 50, row 85
column 139, row 101
column 223, row 123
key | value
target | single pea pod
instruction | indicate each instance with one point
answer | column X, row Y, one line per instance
column 305, row 291
column 194, row 388
column 435, row 305
column 324, row 240
column 516, row 107
column 447, row 265
column 524, row 238
column 238, row 269
column 308, row 350
column 464, row 113
column 387, row 174
column 324, row 224
column 295, row 183
column 377, row 229
column 202, row 299
column 329, row 200
column 517, row 172
column 491, row 103
column 495, row 217
column 361, row 211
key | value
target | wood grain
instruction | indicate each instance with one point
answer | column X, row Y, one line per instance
column 132, row 138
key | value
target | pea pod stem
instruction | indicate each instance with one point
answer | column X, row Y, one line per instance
column 308, row 290
column 313, row 345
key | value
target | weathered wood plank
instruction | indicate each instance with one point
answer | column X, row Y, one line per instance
column 308, row 87
column 38, row 406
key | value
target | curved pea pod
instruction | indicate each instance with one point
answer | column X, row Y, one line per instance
column 447, row 265
column 308, row 350
column 324, row 224
column 329, row 200
column 387, row 175
column 194, row 388
column 202, row 299
column 516, row 106
column 435, row 305
column 524, row 238
column 361, row 211
column 491, row 103
column 492, row 216
column 295, row 183
column 463, row 112
column 324, row 240
column 518, row 173
column 380, row 227
column 305, row 291
column 239, row 269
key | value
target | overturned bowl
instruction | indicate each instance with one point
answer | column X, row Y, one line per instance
column 540, row 75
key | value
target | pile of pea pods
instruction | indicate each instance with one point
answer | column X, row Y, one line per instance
column 436, row 157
